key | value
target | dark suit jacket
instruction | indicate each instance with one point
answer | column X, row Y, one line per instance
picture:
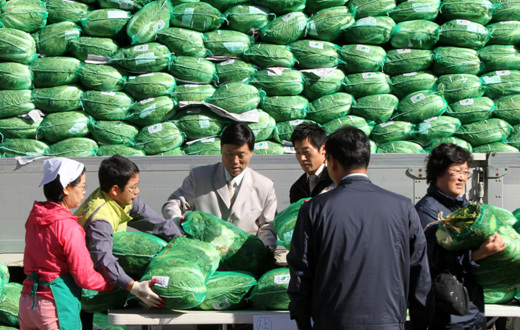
column 300, row 189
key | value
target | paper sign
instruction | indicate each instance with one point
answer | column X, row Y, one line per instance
column 273, row 322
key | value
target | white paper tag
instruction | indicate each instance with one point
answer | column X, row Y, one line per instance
column 316, row 44
column 282, row 279
column 295, row 122
column 117, row 14
column 162, row 281
column 404, row 51
column 108, row 93
column 492, row 79
column 386, row 124
column 261, row 146
column 147, row 100
column 363, row 48
column 417, row 98
column 368, row 75
column 141, row 48
column 430, row 119
column 409, row 74
column 288, row 17
column 158, row 26
column 227, row 62
column 503, row 73
column 223, row 304
column 463, row 22
column 204, row 122
column 467, row 102
column 367, row 21
column 155, row 128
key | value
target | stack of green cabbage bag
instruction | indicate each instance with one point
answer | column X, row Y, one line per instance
column 227, row 290
column 10, row 304
column 271, row 290
column 284, row 222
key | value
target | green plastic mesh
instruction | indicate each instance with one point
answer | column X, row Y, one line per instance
column 364, row 8
column 435, row 128
column 15, row 102
column 504, row 33
column 507, row 108
column 513, row 139
column 485, row 131
column 507, row 11
column 227, row 42
column 366, row 83
column 62, row 125
column 284, row 129
column 227, row 290
column 375, row 30
column 160, row 137
column 407, row 60
column 204, row 146
column 25, row 15
column 459, row 142
column 495, row 147
column 4, row 276
column 278, row 81
column 499, row 57
column 193, row 92
column 500, row 296
column 100, row 301
column 151, row 111
column 399, row 147
column 415, row 10
column 362, row 58
column 17, row 46
column 320, row 82
column 280, row 7
column 330, row 107
column 105, row 22
column 150, row 85
column 377, row 108
column 222, row 5
column 392, row 131
column 10, row 303
column 198, row 16
column 55, row 71
column 17, row 127
column 284, row 222
column 263, row 129
column 328, row 24
column 313, row 54
column 172, row 152
column 101, row 77
column 147, row 21
column 192, row 69
column 418, row 106
column 451, row 60
column 407, row 83
column 73, row 147
column 182, row 41
column 83, row 46
column 150, row 57
column 456, row 87
column 475, row 11
column 112, row 132
column 22, row 147
column 284, row 108
column 472, row 109
column 118, row 149
column 355, row 121
column 15, row 76
column 123, row 4
column 197, row 123
column 106, row 105
column 419, row 34
column 313, row 6
column 57, row 99
column 285, row 29
column 267, row 55
column 234, row 70
column 271, row 290
column 268, row 148
column 501, row 83
column 464, row 33
column 54, row 39
column 245, row 17
column 60, row 11
column 236, row 97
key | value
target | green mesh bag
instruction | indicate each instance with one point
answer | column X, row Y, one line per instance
column 263, row 129
column 358, row 122
column 507, row 108
column 151, row 111
column 244, row 18
column 285, row 29
column 267, row 55
column 415, row 10
column 500, row 296
column 407, row 60
column 500, row 57
column 160, row 137
column 17, row 46
column 227, row 291
column 183, row 41
column 19, row 128
column 57, row 99
column 284, row 108
column 112, row 131
column 63, row 125
column 475, row 11
column 15, row 76
column 435, row 128
column 22, row 147
column 278, row 81
column 105, row 22
column 234, row 70
column 392, row 131
column 172, row 152
column 150, row 85
column 320, row 82
column 101, row 77
column 501, row 83
column 313, row 54
column 364, row 8
column 236, row 97
column 456, row 87
column 106, row 105
column 282, row 7
column 192, row 69
column 399, row 147
column 451, row 60
column 271, row 290
column 485, row 131
column 472, row 109
column 509, row 10
column 373, row 147
column 14, row 103
column 73, row 147
column 407, row 83
column 284, row 222
column 284, row 129
column 376, row 30
column 222, row 5
column 123, row 4
column 61, row 11
column 198, row 16
column 419, row 34
column 362, row 58
column 504, row 33
column 197, row 123
column 330, row 107
column 193, row 92
column 150, row 57
column 464, row 33
column 82, row 47
column 495, row 147
column 10, row 304
column 109, row 150
column 268, row 148
column 377, row 108
column 366, row 83
column 328, row 24
column 100, row 301
column 513, row 139
column 54, row 39
column 147, row 21
column 55, row 71
column 4, row 276
column 227, row 42
column 419, row 106
column 313, row 6
column 25, row 15
column 238, row 249
column 204, row 146
column 459, row 142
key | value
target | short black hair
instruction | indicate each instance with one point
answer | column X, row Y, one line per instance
column 350, row 147
column 238, row 134
column 312, row 131
column 116, row 170
column 442, row 157
column 53, row 190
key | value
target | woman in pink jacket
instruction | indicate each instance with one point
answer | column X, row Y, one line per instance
column 56, row 260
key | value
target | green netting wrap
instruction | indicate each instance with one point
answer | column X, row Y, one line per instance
column 223, row 5
column 55, row 71
column 284, row 108
column 17, row 46
column 236, row 97
column 375, row 30
column 19, row 128
column 320, row 82
column 183, row 41
column 501, row 83
column 410, row 82
column 313, row 6
column 271, row 290
column 118, row 149
column 475, row 11
column 73, row 147
column 152, row 18
column 244, row 18
column 268, row 148
column 485, row 131
column 285, row 29
column 57, row 99
column 234, row 70
column 15, row 76
column 105, row 22
column 150, row 85
column 504, row 33
column 192, row 69
column 278, row 81
column 328, row 24
column 284, row 129
column 62, row 125
column 160, row 137
column 509, row 10
column 270, row 55
column 362, row 58
column 172, row 152
column 60, row 11
column 101, row 77
column 435, row 128
column 420, row 34
column 500, row 296
column 25, row 15
column 450, row 60
column 377, row 108
column 106, row 105
column 459, row 142
column 14, row 103
column 415, row 10
column 198, row 16
column 22, row 147
column 284, row 222
column 464, row 33
column 400, row 147
column 193, row 92
column 355, row 121
column 4, row 276
column 495, row 147
column 456, row 87
column 227, row 42
column 197, row 123
column 10, row 304
column 366, row 83
column 280, row 7
column 150, row 57
column 407, row 60
column 364, row 8
column 82, row 47
column 204, row 146
column 54, row 39
column 508, row 108
column 264, row 127
column 330, row 107
column 513, row 139
column 151, row 111
column 472, row 109
column 500, row 57
column 112, row 132
column 392, row 131
column 312, row 54
column 123, row 4
column 419, row 106
column 100, row 301
column 227, row 291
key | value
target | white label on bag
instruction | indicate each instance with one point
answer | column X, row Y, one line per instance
column 463, row 22
column 417, row 98
column 363, row 48
column 71, row 34
column 204, row 122
column 141, row 48
column 117, row 14
column 409, row 74
column 492, row 79
column 467, row 102
column 295, row 122
column 155, row 128
column 316, row 44
column 422, row 7
column 158, row 26
column 368, row 75
column 282, row 279
column 108, row 93
column 288, row 17
column 386, row 124
column 162, row 281
column 146, row 100
column 223, row 304
column 367, row 21
column 404, row 51
column 503, row 73
column 227, row 62
column 191, row 86
column 145, row 58
column 507, row 22
column 187, row 17
column 261, row 146
column 77, row 127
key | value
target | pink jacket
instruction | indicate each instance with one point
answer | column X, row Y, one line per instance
column 54, row 246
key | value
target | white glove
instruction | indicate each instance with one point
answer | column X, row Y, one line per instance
column 142, row 291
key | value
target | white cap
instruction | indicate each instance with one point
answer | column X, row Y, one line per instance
column 68, row 169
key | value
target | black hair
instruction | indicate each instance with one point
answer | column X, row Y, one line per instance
column 312, row 131
column 116, row 170
column 53, row 190
column 350, row 147
column 442, row 157
column 238, row 134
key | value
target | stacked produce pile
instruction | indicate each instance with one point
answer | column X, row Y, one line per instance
column 99, row 77
column 10, row 293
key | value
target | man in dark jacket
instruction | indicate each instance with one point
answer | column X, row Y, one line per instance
column 358, row 253
column 308, row 140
